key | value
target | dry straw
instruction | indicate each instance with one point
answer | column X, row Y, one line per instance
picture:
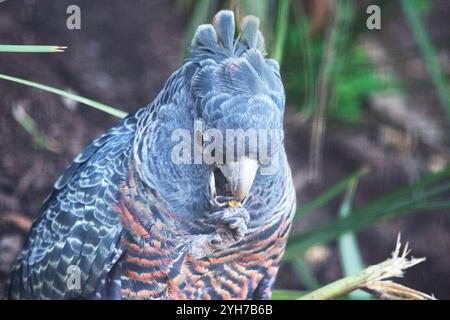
column 375, row 280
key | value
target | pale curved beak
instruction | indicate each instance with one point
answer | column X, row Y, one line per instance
column 240, row 175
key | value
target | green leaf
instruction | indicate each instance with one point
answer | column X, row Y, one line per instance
column 29, row 125
column 202, row 13
column 94, row 104
column 349, row 252
column 257, row 8
column 304, row 273
column 281, row 30
column 422, row 6
column 261, row 9
column 31, row 48
column 329, row 195
column 404, row 201
column 428, row 52
column 286, row 294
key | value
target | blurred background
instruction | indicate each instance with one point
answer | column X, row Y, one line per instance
column 367, row 118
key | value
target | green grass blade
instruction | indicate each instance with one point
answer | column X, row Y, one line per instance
column 281, row 30
column 330, row 194
column 436, row 205
column 300, row 243
column 305, row 44
column 304, row 273
column 202, row 13
column 412, row 190
column 287, row 294
column 94, row 104
column 260, row 9
column 349, row 252
column 31, row 48
column 407, row 200
column 257, row 8
column 428, row 52
column 29, row 125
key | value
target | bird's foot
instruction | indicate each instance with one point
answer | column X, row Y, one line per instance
column 230, row 222
column 231, row 226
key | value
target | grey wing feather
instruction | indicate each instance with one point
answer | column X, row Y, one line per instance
column 78, row 229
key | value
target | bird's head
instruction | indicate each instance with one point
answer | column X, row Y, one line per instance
column 239, row 102
column 228, row 101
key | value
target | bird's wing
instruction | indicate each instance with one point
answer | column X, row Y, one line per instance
column 75, row 240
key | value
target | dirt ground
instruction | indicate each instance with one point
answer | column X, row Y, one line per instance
column 122, row 56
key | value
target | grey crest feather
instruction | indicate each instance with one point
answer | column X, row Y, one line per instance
column 251, row 33
column 217, row 40
column 223, row 22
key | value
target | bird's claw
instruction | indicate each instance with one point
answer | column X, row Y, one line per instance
column 231, row 226
column 231, row 223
